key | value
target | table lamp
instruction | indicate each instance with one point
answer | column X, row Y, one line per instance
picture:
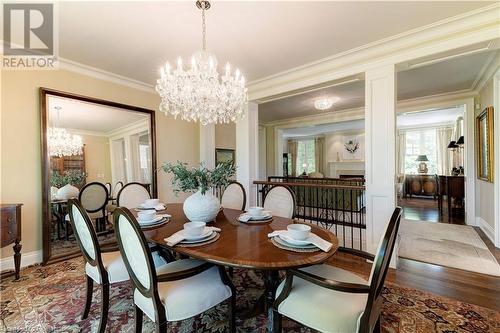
column 422, row 167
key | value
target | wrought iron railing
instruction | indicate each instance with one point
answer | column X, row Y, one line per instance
column 339, row 207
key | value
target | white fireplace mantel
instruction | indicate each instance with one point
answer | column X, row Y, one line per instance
column 337, row 168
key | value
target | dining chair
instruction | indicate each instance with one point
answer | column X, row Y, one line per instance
column 108, row 187
column 176, row 291
column 234, row 196
column 93, row 197
column 103, row 266
column 280, row 200
column 132, row 195
column 330, row 299
column 116, row 189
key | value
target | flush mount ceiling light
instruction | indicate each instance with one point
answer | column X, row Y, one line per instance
column 198, row 93
column 325, row 103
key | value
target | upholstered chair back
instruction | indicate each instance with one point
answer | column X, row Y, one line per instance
column 117, row 189
column 108, row 187
column 280, row 200
column 379, row 270
column 93, row 197
column 135, row 251
column 84, row 232
column 234, row 196
column 132, row 195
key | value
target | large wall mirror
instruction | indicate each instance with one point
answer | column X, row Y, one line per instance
column 89, row 145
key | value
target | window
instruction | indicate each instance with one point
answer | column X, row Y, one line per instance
column 421, row 142
column 305, row 156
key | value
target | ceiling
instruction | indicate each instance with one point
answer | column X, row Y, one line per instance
column 429, row 117
column 134, row 39
column 443, row 77
column 324, row 128
column 83, row 116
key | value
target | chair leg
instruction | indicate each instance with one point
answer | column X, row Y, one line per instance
column 138, row 319
column 277, row 318
column 376, row 328
column 162, row 328
column 104, row 308
column 88, row 297
column 232, row 313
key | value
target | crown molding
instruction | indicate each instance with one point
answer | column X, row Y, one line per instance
column 466, row 29
column 101, row 74
column 326, row 117
column 487, row 72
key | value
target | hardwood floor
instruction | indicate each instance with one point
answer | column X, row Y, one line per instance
column 426, row 209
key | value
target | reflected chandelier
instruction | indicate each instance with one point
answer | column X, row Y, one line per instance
column 61, row 142
column 198, row 94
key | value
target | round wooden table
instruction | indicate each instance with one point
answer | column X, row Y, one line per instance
column 243, row 245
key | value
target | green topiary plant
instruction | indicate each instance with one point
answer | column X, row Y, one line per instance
column 199, row 178
column 73, row 177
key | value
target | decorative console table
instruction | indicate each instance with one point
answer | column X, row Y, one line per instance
column 11, row 231
column 426, row 185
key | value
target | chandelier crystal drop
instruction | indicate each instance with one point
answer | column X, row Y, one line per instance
column 62, row 143
column 199, row 93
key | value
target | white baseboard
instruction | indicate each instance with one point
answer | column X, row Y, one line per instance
column 27, row 259
column 486, row 228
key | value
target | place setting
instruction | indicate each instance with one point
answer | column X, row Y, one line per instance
column 194, row 234
column 299, row 238
column 255, row 215
column 151, row 204
column 150, row 218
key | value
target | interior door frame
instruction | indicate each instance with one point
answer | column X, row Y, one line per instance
column 44, row 93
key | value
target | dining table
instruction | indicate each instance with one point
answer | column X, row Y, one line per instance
column 243, row 245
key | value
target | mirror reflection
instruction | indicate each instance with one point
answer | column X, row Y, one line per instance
column 94, row 150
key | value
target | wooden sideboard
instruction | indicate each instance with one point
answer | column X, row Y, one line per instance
column 11, row 231
column 426, row 185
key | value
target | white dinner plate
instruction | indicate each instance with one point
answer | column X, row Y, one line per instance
column 285, row 243
column 206, row 232
column 287, row 238
column 156, row 219
column 212, row 235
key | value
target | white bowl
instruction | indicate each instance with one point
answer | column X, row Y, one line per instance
column 298, row 231
column 256, row 211
column 194, row 228
column 146, row 215
column 151, row 203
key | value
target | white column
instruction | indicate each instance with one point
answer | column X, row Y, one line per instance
column 380, row 152
column 247, row 152
column 207, row 145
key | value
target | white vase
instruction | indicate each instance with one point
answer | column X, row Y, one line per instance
column 201, row 207
column 66, row 192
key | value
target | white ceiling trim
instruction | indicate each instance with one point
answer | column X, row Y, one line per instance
column 469, row 28
column 316, row 119
column 487, row 72
column 97, row 73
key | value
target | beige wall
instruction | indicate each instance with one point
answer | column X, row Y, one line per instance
column 270, row 151
column 20, row 139
column 225, row 136
column 97, row 158
column 484, row 189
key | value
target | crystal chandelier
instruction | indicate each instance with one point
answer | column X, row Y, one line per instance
column 198, row 93
column 61, row 143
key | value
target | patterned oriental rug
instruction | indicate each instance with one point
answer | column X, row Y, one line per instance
column 51, row 299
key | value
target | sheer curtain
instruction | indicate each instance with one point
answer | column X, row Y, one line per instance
column 401, row 152
column 444, row 155
column 292, row 150
column 319, row 154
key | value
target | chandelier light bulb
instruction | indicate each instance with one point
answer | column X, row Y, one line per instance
column 179, row 63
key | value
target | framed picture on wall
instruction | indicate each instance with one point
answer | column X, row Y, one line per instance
column 352, row 148
column 484, row 138
column 224, row 155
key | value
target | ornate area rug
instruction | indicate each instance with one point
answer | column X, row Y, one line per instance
column 51, row 299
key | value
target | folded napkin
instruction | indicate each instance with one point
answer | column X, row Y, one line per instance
column 314, row 239
column 179, row 236
column 157, row 207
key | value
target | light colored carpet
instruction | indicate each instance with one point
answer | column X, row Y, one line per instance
column 456, row 246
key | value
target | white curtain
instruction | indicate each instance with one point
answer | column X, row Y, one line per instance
column 444, row 155
column 319, row 154
column 401, row 151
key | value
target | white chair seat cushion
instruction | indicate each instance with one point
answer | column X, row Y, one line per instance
column 188, row 297
column 114, row 265
column 323, row 309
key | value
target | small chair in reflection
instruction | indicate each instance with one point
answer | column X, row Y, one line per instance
column 176, row 291
column 234, row 196
column 132, row 195
column 280, row 200
column 330, row 299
